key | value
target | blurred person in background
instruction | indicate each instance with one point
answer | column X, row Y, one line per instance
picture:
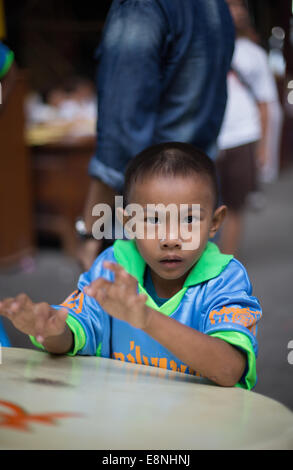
column 243, row 140
column 76, row 99
column 162, row 69
column 7, row 77
column 73, row 100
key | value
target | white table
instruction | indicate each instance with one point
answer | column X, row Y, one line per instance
column 51, row 402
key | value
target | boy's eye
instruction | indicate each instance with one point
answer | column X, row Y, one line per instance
column 152, row 220
column 190, row 219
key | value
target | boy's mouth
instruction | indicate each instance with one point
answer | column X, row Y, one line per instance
column 171, row 261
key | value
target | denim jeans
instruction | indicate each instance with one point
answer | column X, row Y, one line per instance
column 161, row 77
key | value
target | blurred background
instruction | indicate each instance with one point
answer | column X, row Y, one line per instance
column 47, row 136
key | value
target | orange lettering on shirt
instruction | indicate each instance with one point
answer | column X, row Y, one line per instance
column 154, row 361
column 173, row 365
column 253, row 329
column 74, row 301
column 130, row 358
column 163, row 363
column 243, row 316
column 119, row 356
column 138, row 356
column 145, row 360
column 70, row 299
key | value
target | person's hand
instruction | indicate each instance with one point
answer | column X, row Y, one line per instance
column 36, row 319
column 87, row 252
column 120, row 298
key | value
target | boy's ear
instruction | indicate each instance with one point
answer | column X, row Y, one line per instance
column 218, row 218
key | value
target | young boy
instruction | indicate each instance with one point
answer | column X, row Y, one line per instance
column 150, row 301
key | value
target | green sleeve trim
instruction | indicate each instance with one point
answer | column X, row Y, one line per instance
column 35, row 343
column 7, row 64
column 99, row 349
column 78, row 335
column 241, row 340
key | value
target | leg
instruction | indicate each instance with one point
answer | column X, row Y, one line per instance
column 236, row 169
column 231, row 232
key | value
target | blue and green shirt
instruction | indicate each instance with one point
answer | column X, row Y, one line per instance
column 216, row 299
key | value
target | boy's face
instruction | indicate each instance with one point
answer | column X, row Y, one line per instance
column 166, row 256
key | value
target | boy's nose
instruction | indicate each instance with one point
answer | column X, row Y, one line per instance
column 170, row 243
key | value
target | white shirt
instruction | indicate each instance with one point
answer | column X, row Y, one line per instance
column 241, row 123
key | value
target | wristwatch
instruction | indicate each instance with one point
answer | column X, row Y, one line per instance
column 81, row 230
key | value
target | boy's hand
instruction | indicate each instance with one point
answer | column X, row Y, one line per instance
column 36, row 319
column 120, row 298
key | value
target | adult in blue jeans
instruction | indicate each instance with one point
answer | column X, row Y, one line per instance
column 162, row 67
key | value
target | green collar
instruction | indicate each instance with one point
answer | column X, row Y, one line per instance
column 211, row 263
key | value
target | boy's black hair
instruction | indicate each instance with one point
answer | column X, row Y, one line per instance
column 170, row 159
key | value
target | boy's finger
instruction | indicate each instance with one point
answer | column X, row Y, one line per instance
column 42, row 313
column 137, row 300
column 57, row 320
column 5, row 307
column 20, row 303
column 142, row 298
column 115, row 267
column 97, row 287
column 60, row 318
column 22, row 299
column 13, row 305
column 121, row 275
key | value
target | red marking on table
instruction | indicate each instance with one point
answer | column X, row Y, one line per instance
column 18, row 418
